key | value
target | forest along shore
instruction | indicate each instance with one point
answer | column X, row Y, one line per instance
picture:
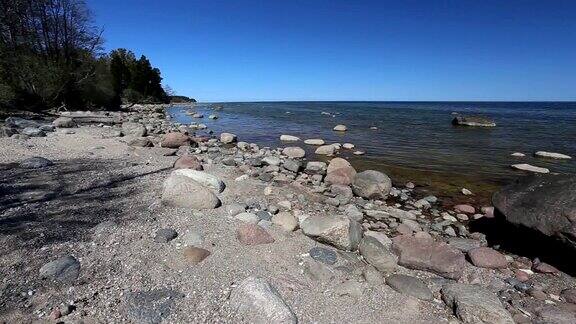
column 126, row 216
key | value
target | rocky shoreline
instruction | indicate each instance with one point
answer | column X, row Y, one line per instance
column 127, row 217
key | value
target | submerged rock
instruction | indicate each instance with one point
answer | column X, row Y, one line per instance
column 340, row 128
column 552, row 155
column 326, row 150
column 544, row 203
column 473, row 121
column 528, row 167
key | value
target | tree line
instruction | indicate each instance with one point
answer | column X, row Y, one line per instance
column 51, row 56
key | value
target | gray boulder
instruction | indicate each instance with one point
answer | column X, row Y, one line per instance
column 133, row 129
column 182, row 191
column 410, row 286
column 203, row 178
column 378, row 254
column 35, row 162
column 64, row 122
column 371, row 184
column 338, row 231
column 65, row 269
column 256, row 301
column 475, row 304
column 544, row 203
column 33, row 132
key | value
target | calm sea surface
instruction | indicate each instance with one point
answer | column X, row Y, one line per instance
column 414, row 139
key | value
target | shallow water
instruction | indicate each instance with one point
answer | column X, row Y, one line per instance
column 414, row 140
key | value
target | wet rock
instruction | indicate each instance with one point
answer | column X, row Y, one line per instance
column 252, row 234
column 428, row 255
column 544, row 203
column 465, row 209
column 33, row 132
column 294, row 152
column 286, row 221
column 289, row 138
column 314, row 141
column 371, row 184
column 475, row 121
column 188, row 162
column 339, row 231
column 325, row 150
column 133, row 129
column 323, row 255
column 485, row 257
column 228, row 138
column 528, row 167
column 203, row 178
column 340, row 128
column 377, row 254
column 165, row 235
column 65, row 269
column 182, row 191
column 256, row 301
column 194, row 254
column 35, row 162
column 410, row 286
column 475, row 304
column 552, row 155
column 64, row 122
column 340, row 172
column 175, row 140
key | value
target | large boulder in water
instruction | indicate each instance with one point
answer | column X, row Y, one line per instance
column 477, row 121
column 544, row 203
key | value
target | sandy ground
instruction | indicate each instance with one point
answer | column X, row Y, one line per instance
column 100, row 202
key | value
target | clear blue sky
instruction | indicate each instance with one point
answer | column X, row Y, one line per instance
column 352, row 50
